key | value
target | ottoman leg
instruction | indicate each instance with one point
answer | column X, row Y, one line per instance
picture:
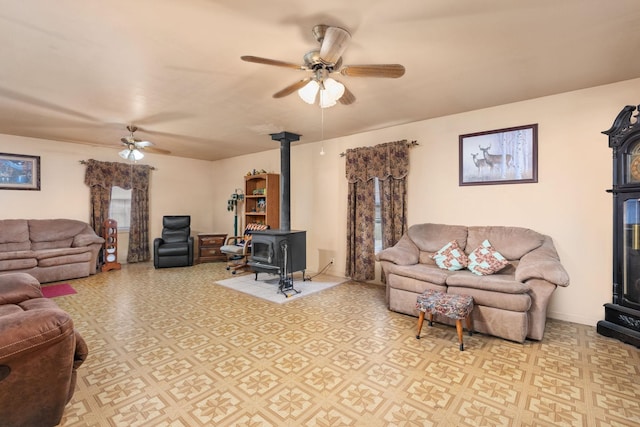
column 469, row 325
column 459, row 330
column 420, row 320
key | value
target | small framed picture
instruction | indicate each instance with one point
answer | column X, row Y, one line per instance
column 19, row 172
column 502, row 156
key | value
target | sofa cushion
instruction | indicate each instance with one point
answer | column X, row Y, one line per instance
column 17, row 255
column 505, row 283
column 511, row 242
column 14, row 235
column 451, row 257
column 54, row 233
column 485, row 260
column 53, row 253
column 501, row 300
column 426, row 273
column 17, row 264
column 431, row 237
column 55, row 244
column 83, row 257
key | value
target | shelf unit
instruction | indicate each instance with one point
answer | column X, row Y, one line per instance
column 262, row 199
column 110, row 247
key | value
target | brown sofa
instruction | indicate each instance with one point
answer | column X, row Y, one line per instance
column 48, row 249
column 40, row 352
column 511, row 303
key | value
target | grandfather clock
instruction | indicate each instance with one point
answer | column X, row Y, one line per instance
column 622, row 315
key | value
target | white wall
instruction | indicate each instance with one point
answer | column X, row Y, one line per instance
column 178, row 186
column 568, row 203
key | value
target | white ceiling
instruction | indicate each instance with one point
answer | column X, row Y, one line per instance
column 80, row 71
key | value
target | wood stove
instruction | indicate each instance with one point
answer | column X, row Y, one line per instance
column 282, row 251
column 278, row 251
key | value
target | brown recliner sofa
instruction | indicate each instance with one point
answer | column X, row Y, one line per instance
column 40, row 352
column 511, row 304
column 49, row 249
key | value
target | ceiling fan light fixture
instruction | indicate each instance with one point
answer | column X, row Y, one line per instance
column 326, row 100
column 133, row 155
column 137, row 155
column 124, row 154
column 309, row 91
column 330, row 91
column 334, row 87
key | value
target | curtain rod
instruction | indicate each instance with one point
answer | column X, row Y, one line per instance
column 409, row 144
column 84, row 162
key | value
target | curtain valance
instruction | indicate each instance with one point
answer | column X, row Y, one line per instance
column 388, row 160
column 123, row 175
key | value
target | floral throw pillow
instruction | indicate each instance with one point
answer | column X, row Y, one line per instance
column 485, row 260
column 451, row 257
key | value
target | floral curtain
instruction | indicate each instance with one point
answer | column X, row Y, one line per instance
column 389, row 163
column 100, row 177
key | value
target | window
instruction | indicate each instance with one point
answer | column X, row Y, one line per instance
column 377, row 227
column 120, row 207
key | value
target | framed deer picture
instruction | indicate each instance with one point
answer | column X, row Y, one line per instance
column 502, row 156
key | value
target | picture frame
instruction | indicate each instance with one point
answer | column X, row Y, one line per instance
column 19, row 172
column 501, row 156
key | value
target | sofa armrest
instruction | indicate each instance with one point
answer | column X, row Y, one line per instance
column 36, row 349
column 82, row 351
column 89, row 239
column 405, row 252
column 542, row 263
column 86, row 239
column 157, row 242
column 23, row 331
column 18, row 287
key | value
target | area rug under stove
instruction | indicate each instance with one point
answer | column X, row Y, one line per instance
column 52, row 291
column 267, row 285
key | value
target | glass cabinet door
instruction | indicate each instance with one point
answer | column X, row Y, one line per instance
column 631, row 250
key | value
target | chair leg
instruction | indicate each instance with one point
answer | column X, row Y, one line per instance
column 459, row 330
column 420, row 320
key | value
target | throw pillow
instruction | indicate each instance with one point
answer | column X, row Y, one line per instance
column 451, row 257
column 485, row 260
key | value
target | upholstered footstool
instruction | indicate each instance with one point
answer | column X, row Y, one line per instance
column 453, row 306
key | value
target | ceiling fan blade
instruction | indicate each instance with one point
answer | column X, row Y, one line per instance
column 292, row 88
column 267, row 61
column 347, row 97
column 375, row 70
column 156, row 150
column 334, row 44
column 143, row 144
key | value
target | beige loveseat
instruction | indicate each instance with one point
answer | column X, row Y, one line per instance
column 48, row 249
column 511, row 303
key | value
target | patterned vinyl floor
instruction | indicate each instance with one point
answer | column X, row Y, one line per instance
column 171, row 348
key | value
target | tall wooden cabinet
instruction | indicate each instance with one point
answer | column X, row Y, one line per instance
column 262, row 199
column 622, row 314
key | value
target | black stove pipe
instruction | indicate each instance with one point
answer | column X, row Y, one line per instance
column 285, row 139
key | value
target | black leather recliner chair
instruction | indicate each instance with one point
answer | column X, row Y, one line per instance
column 175, row 247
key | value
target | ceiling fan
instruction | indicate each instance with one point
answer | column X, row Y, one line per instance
column 134, row 146
column 325, row 61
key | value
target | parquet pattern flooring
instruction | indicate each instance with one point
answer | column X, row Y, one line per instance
column 169, row 347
